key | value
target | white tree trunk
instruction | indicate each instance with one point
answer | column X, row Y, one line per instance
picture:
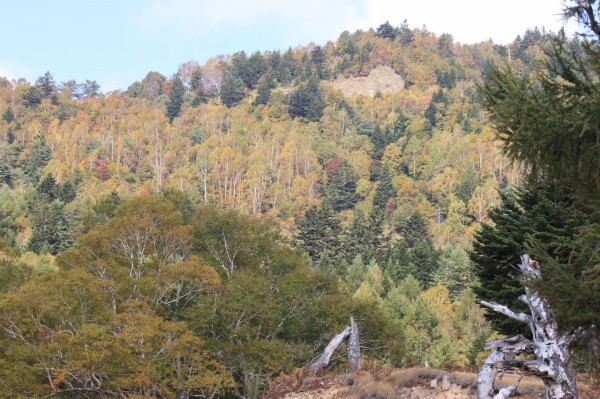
column 353, row 348
column 551, row 348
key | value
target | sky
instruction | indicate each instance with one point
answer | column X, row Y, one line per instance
column 116, row 42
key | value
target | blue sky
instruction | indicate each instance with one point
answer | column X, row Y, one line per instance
column 118, row 42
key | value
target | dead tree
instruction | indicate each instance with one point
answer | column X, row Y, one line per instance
column 350, row 334
column 550, row 346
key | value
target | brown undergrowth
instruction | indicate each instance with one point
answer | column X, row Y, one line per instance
column 378, row 381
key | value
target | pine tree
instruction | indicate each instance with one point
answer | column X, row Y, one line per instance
column 232, row 89
column 264, row 89
column 318, row 233
column 539, row 212
column 8, row 115
column 385, row 190
column 341, row 188
column 51, row 231
column 48, row 188
column 549, row 121
column 46, row 85
column 256, row 68
column 307, row 101
column 175, row 98
column 386, row 31
column 39, row 156
column 5, row 176
column 405, row 34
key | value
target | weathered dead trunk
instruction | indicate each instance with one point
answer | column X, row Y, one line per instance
column 551, row 348
column 353, row 348
column 350, row 333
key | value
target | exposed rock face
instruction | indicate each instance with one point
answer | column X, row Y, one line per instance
column 381, row 79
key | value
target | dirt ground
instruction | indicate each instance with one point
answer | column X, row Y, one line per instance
column 413, row 383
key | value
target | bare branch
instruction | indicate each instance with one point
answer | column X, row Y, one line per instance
column 522, row 317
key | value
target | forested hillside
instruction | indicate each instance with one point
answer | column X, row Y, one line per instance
column 199, row 233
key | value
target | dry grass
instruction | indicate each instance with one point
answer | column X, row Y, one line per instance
column 381, row 79
column 379, row 381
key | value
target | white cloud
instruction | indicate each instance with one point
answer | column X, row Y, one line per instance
column 467, row 20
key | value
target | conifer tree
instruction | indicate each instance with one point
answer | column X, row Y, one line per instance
column 307, row 101
column 232, row 90
column 341, row 189
column 5, row 177
column 48, row 188
column 549, row 121
column 39, row 156
column 175, row 98
column 319, row 231
column 385, row 190
column 8, row 115
column 386, row 31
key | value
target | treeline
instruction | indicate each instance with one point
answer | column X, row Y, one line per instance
column 423, row 148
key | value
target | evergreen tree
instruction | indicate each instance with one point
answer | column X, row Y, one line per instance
column 386, row 31
column 264, row 89
column 51, row 231
column 405, row 34
column 341, row 188
column 318, row 59
column 288, row 68
column 379, row 140
column 539, row 212
column 39, row 156
column 232, row 89
column 196, row 80
column 48, row 188
column 421, row 256
column 398, row 128
column 307, row 101
column 46, row 85
column 549, row 121
column 5, row 177
column 33, row 97
column 256, row 68
column 175, row 98
column 8, row 115
column 318, row 233
column 385, row 190
column 197, row 87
